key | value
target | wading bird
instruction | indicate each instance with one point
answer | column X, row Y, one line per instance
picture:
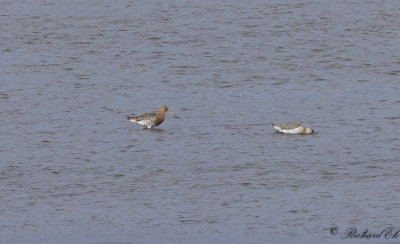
column 151, row 120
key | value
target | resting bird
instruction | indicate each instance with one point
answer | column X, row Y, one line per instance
column 293, row 128
column 152, row 119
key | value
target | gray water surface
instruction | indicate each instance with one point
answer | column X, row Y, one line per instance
column 74, row 170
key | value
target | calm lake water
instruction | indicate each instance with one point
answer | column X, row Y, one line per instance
column 74, row 170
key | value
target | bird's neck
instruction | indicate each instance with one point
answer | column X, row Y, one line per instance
column 162, row 113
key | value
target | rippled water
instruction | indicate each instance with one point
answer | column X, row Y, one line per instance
column 73, row 169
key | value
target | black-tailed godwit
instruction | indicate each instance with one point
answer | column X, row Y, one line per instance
column 152, row 119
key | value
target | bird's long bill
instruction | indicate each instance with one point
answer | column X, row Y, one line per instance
column 173, row 115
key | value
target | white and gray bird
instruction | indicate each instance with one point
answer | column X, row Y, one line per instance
column 293, row 128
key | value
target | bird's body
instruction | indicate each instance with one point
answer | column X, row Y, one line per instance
column 293, row 128
column 151, row 120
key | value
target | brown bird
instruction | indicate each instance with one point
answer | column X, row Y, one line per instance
column 152, row 119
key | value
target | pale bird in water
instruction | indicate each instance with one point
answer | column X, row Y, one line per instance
column 151, row 120
column 293, row 128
